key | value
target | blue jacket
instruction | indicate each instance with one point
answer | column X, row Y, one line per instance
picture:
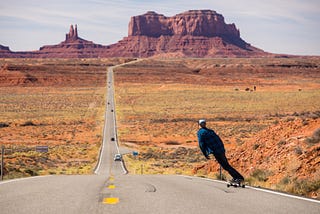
column 210, row 142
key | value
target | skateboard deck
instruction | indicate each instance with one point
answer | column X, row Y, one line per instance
column 235, row 184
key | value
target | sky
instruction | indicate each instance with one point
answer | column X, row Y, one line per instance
column 276, row 26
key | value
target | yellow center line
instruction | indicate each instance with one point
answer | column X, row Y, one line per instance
column 111, row 186
column 111, row 200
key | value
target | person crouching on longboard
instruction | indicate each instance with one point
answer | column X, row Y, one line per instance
column 210, row 143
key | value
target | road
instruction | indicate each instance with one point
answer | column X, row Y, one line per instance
column 111, row 190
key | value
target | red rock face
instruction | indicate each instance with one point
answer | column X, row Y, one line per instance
column 5, row 52
column 73, row 34
column 73, row 47
column 205, row 23
column 4, row 48
column 195, row 33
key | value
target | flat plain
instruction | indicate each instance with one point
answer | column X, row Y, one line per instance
column 266, row 110
column 57, row 103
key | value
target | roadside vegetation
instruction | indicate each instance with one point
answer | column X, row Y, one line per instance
column 265, row 110
column 57, row 103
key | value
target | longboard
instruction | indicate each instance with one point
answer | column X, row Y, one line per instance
column 235, row 184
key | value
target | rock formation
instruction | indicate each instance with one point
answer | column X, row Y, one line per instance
column 73, row 47
column 195, row 33
column 4, row 48
column 5, row 52
column 73, row 34
column 196, row 23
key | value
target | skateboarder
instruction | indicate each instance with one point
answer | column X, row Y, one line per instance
column 210, row 143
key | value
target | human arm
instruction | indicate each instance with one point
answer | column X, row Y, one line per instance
column 202, row 145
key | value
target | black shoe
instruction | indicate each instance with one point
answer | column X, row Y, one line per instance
column 239, row 180
column 233, row 180
column 236, row 180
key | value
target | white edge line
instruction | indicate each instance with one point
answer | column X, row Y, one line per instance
column 104, row 129
column 284, row 194
column 101, row 150
column 110, row 70
column 22, row 179
column 261, row 190
column 115, row 124
column 109, row 74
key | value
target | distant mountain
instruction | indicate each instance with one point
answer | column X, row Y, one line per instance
column 195, row 33
column 5, row 52
column 73, row 47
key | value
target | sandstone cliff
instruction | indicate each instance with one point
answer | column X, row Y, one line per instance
column 195, row 33
column 5, row 52
column 203, row 23
column 4, row 48
column 73, row 47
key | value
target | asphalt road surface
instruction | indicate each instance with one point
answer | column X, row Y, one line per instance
column 112, row 190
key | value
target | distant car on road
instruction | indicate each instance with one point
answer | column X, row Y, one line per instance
column 117, row 157
column 112, row 139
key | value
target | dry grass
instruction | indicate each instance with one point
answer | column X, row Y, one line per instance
column 47, row 102
column 160, row 102
column 62, row 107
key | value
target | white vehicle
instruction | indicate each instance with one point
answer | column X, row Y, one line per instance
column 117, row 157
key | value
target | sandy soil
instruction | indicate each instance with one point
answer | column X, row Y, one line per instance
column 266, row 110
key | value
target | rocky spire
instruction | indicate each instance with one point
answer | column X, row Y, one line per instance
column 73, row 33
column 76, row 31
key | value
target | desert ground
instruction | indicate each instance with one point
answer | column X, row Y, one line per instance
column 266, row 110
column 57, row 103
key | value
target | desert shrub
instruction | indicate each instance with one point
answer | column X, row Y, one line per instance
column 305, row 122
column 298, row 150
column 296, row 114
column 28, row 123
column 290, row 119
column 256, row 146
column 282, row 142
column 276, row 122
column 196, row 70
column 31, row 172
column 239, row 141
column 172, row 143
column 260, row 175
column 315, row 138
column 51, row 172
column 303, row 187
column 3, row 125
column 31, row 78
column 149, row 154
column 285, row 181
column 223, row 176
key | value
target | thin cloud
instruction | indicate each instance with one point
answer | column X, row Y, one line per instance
column 106, row 21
